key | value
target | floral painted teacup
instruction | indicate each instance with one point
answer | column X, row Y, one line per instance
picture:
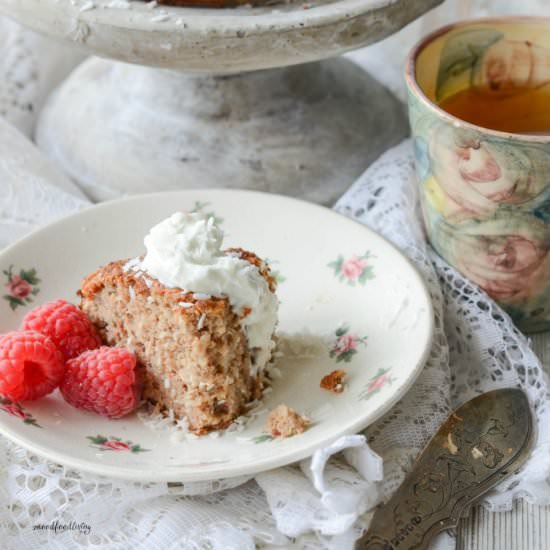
column 485, row 193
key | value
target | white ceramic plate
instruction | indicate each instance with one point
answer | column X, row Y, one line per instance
column 363, row 304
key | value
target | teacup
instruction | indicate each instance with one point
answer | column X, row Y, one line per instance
column 485, row 192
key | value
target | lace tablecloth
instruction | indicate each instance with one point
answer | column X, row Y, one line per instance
column 476, row 348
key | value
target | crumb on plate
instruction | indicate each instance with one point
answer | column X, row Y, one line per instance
column 334, row 381
column 285, row 422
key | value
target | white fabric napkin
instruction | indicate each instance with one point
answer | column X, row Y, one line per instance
column 31, row 65
column 32, row 191
column 320, row 502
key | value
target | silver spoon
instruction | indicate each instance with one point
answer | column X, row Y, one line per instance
column 484, row 441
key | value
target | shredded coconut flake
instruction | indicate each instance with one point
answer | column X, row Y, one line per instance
column 148, row 282
column 160, row 18
column 202, row 320
column 201, row 296
column 275, row 372
column 131, row 265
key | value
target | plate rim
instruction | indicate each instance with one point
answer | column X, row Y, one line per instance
column 272, row 461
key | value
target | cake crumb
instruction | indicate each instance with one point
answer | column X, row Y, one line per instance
column 285, row 422
column 334, row 381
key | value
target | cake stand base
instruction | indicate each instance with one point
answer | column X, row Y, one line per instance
column 307, row 131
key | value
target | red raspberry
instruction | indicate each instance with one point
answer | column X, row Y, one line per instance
column 66, row 325
column 31, row 366
column 103, row 381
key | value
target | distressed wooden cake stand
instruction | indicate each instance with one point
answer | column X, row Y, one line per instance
column 185, row 97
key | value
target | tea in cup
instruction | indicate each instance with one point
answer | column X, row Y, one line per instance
column 479, row 104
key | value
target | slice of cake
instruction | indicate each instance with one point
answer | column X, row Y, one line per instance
column 200, row 320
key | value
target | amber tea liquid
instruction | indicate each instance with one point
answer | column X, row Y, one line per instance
column 521, row 111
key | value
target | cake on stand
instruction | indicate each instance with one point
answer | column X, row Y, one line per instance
column 235, row 97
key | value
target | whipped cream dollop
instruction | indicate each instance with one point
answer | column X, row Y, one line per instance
column 184, row 251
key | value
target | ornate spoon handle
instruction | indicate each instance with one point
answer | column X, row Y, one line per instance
column 484, row 441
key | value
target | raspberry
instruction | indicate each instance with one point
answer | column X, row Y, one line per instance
column 103, row 381
column 66, row 325
column 31, row 366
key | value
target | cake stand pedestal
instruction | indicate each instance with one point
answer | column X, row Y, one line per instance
column 218, row 98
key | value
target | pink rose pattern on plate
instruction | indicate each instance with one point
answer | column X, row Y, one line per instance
column 486, row 198
column 354, row 269
column 114, row 444
column 376, row 384
column 15, row 409
column 263, row 438
column 21, row 287
column 345, row 344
